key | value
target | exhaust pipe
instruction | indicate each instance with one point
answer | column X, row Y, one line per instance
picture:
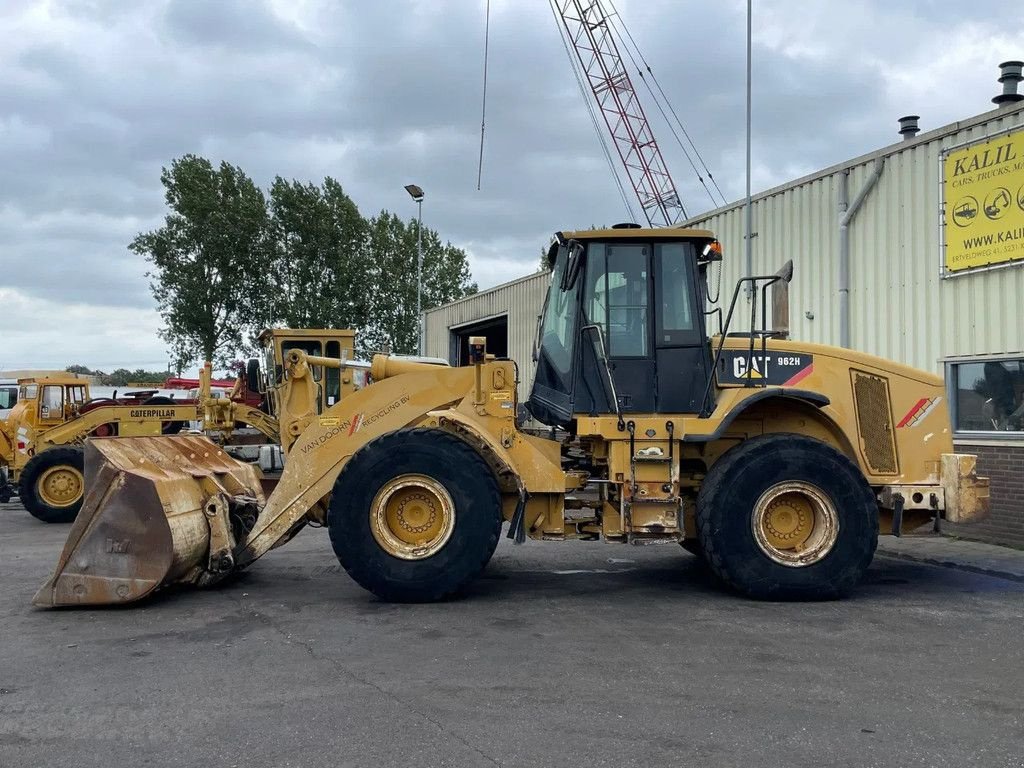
column 780, row 301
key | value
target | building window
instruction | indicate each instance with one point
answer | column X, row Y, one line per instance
column 987, row 395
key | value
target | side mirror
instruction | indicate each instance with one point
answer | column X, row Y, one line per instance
column 573, row 265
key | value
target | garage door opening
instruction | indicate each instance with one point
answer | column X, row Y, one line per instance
column 495, row 330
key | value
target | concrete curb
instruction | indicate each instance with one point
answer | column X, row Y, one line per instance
column 959, row 554
column 953, row 564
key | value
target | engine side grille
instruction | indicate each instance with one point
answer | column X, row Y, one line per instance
column 874, row 423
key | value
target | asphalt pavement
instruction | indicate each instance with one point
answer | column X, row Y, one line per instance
column 564, row 654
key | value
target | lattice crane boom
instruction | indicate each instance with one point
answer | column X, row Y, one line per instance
column 590, row 34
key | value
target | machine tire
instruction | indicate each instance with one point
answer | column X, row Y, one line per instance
column 443, row 459
column 741, row 480
column 103, row 430
column 29, row 490
column 167, row 427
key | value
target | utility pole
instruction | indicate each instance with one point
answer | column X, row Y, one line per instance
column 416, row 193
column 749, row 211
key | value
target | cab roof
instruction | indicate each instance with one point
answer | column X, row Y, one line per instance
column 58, row 380
column 640, row 233
column 317, row 333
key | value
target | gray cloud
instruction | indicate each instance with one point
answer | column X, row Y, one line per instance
column 99, row 95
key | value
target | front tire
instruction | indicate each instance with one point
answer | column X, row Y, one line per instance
column 787, row 517
column 52, row 484
column 415, row 515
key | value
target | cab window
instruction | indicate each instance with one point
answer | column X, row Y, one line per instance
column 332, row 376
column 52, row 403
column 617, row 297
column 76, row 395
column 674, row 283
column 309, row 346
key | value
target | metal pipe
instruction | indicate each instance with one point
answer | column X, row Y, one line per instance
column 749, row 214
column 847, row 212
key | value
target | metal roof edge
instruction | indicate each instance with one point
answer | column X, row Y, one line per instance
column 891, row 149
column 492, row 289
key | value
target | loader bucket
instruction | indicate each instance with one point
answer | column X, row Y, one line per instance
column 142, row 525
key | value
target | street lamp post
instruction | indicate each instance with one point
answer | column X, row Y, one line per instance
column 416, row 193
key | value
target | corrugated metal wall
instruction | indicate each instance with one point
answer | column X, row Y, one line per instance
column 521, row 300
column 900, row 308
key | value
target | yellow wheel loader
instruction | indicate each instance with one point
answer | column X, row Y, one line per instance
column 780, row 460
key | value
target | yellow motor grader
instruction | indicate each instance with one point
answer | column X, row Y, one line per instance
column 778, row 460
column 42, row 441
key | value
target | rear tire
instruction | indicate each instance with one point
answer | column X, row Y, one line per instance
column 52, row 484
column 787, row 517
column 415, row 515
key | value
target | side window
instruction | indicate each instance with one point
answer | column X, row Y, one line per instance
column 677, row 321
column 989, row 396
column 76, row 395
column 8, row 397
column 52, row 403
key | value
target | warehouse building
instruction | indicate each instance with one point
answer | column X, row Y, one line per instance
column 914, row 252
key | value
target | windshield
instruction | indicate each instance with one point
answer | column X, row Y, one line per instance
column 550, row 398
column 559, row 324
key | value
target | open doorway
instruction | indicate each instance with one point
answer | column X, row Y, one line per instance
column 494, row 329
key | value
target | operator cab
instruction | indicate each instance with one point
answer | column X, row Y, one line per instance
column 634, row 297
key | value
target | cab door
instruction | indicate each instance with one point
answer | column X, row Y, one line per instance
column 51, row 406
column 618, row 297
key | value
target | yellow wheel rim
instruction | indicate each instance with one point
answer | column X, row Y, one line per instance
column 795, row 524
column 412, row 517
column 60, row 486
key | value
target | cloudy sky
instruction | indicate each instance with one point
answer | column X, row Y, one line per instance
column 97, row 95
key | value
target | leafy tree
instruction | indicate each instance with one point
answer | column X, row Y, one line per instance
column 391, row 281
column 210, row 261
column 320, row 259
column 121, row 377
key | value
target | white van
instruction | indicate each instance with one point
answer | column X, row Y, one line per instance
column 8, row 396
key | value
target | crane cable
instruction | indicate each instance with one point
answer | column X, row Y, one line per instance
column 593, row 117
column 664, row 97
column 483, row 100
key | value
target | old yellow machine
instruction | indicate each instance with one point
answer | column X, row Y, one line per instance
column 42, row 441
column 779, row 460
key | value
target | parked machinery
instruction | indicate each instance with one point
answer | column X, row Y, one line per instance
column 781, row 460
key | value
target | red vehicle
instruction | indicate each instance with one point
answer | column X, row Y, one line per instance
column 241, row 395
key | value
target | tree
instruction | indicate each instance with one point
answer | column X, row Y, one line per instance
column 210, row 261
column 391, row 282
column 320, row 258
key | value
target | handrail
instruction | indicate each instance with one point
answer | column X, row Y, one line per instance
column 764, row 282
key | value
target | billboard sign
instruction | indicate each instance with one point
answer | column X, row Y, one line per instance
column 983, row 196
